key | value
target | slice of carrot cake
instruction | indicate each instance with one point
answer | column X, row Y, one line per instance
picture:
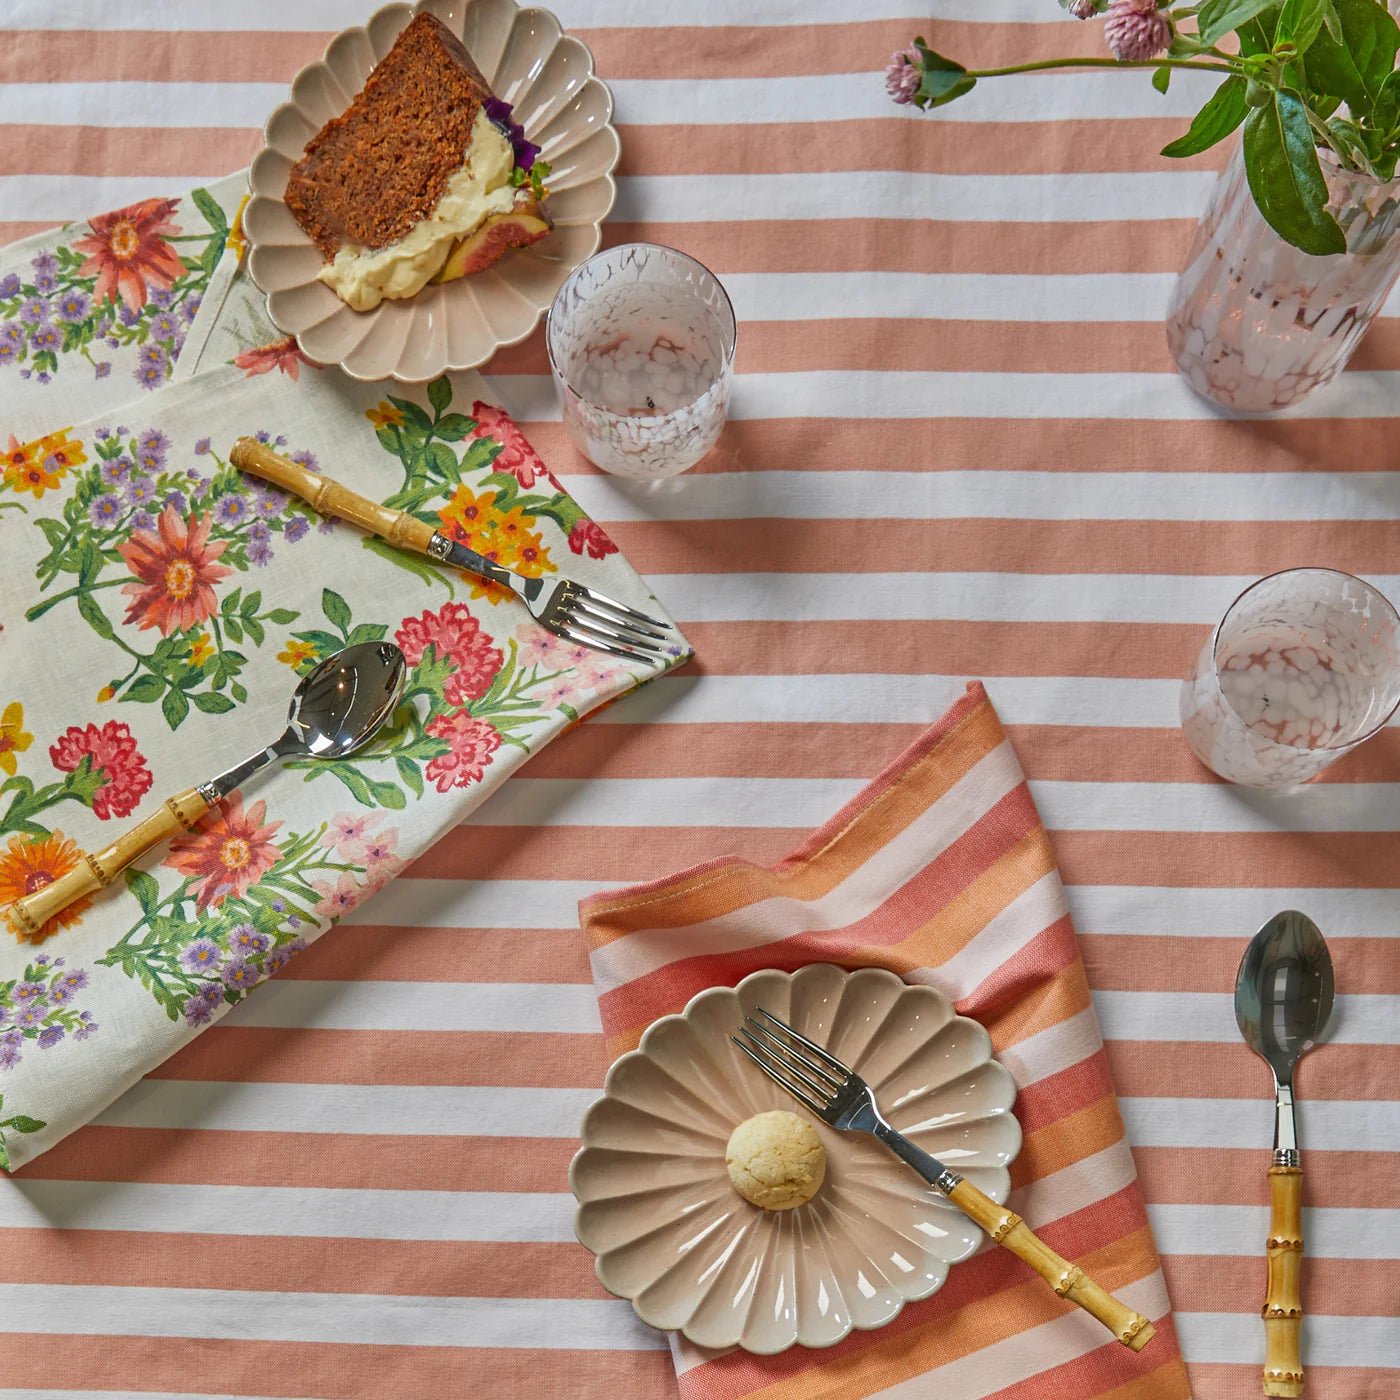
column 425, row 176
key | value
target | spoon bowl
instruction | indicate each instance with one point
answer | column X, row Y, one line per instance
column 344, row 701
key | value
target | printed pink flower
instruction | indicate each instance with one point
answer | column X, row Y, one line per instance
column 176, row 573
column 1136, row 29
column 516, row 457
column 380, row 849
column 455, row 635
column 281, row 354
column 586, row 535
column 471, row 742
column 229, row 850
column 126, row 779
column 536, row 647
column 338, row 896
column 127, row 249
column 902, row 77
column 346, row 833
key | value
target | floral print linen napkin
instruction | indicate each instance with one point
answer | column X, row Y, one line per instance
column 160, row 608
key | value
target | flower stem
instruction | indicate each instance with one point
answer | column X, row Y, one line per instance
column 1047, row 63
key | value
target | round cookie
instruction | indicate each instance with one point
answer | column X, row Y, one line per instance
column 776, row 1160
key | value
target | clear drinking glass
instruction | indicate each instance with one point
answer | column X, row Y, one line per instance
column 1303, row 667
column 641, row 346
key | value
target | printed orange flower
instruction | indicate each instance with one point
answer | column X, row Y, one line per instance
column 201, row 648
column 502, row 536
column 281, row 354
column 385, row 415
column 40, row 466
column 237, row 239
column 58, row 452
column 228, row 852
column 176, row 571
column 28, row 865
column 128, row 252
column 13, row 739
column 296, row 653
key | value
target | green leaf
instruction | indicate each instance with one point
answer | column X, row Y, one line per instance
column 175, row 707
column 388, row 795
column 414, row 419
column 367, row 632
column 944, row 81
column 144, row 689
column 453, row 427
column 239, row 692
column 95, row 617
column 1224, row 111
column 335, row 608
column 440, row 393
column 254, row 629
column 234, row 629
column 230, row 604
column 1355, row 67
column 212, row 704
column 1161, row 79
column 1284, row 176
column 1299, row 22
column 251, row 604
column 1216, row 18
column 211, row 209
column 146, row 890
column 22, row 1124
column 442, row 461
column 408, row 771
column 282, row 617
column 54, row 531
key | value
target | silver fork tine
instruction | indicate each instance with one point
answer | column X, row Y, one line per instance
column 587, row 606
column 819, row 1108
column 635, row 645
column 594, row 596
column 770, row 1042
column 823, row 1055
column 787, row 1066
column 562, row 630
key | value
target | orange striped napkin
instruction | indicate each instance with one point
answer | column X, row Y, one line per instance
column 941, row 871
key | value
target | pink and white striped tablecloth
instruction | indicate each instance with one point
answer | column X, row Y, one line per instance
column 958, row 449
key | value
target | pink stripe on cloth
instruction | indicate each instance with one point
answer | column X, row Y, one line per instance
column 941, row 872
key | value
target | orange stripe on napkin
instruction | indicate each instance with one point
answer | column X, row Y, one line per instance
column 941, row 871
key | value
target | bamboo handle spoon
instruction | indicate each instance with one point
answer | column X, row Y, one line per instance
column 1283, row 999
column 338, row 707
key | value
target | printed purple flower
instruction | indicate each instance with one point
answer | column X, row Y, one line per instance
column 295, row 528
column 50, row 1036
column 151, row 447
column 73, row 305
column 150, row 354
column 45, row 282
column 1135, row 30
column 75, row 980
column 176, row 500
column 231, row 509
column 149, row 376
column 27, row 1017
column 11, row 1052
column 263, row 435
column 259, row 531
column 161, row 297
column 43, row 376
column 279, row 905
column 33, row 311
column 114, row 471
column 105, row 510
column 8, row 353
column 102, row 369
column 4, row 1013
column 44, row 337
column 59, row 995
column 199, row 1009
column 24, row 373
column 113, row 342
column 326, row 527
column 12, row 333
column 200, row 448
column 271, row 502
column 143, row 520
column 201, row 956
column 260, row 553
column 9, row 285
column 86, row 1026
column 306, row 459
column 246, row 940
column 127, row 316
column 139, row 491
column 45, row 263
column 241, row 975
column 164, row 326
column 28, row 991
column 191, row 306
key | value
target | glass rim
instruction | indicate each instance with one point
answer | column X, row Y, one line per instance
column 729, row 350
column 1241, row 596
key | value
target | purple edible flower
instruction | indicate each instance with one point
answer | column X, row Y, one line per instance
column 104, row 510
column 50, row 1036
column 9, row 285
column 73, row 305
column 501, row 115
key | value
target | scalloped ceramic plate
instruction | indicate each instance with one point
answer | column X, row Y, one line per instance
column 672, row 1235
column 548, row 76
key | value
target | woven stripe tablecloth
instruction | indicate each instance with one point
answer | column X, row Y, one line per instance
column 958, row 449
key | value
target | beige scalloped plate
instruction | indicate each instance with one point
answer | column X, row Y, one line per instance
column 672, row 1235
column 548, row 76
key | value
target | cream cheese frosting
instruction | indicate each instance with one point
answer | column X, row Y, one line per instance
column 363, row 277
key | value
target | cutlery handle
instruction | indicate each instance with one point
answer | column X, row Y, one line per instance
column 32, row 917
column 1283, row 1301
column 1007, row 1229
column 329, row 497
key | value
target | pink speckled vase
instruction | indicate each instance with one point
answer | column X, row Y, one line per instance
column 1257, row 325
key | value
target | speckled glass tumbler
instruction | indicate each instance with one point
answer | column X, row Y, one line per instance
column 641, row 346
column 1303, row 667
